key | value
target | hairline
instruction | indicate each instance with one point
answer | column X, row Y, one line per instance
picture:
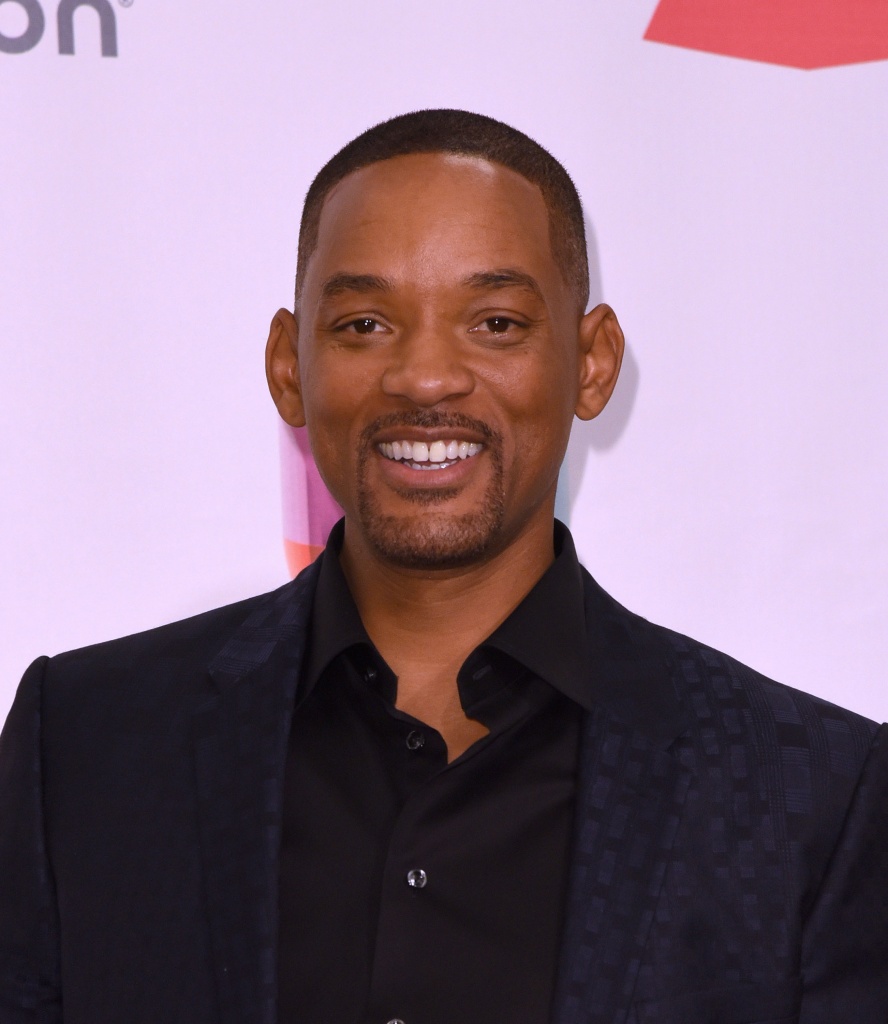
column 318, row 203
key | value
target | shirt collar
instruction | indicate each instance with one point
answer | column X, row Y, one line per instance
column 335, row 622
column 546, row 633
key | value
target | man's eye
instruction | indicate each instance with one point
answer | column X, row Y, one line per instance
column 363, row 325
column 498, row 324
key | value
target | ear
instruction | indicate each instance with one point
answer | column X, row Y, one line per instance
column 282, row 368
column 601, row 345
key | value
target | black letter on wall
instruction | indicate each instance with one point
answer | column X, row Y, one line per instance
column 32, row 34
column 106, row 17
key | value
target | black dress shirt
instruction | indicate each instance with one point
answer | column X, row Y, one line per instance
column 413, row 890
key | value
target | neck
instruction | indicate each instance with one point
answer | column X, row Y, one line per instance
column 426, row 623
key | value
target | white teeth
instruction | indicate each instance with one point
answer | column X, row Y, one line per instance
column 437, row 451
column 437, row 455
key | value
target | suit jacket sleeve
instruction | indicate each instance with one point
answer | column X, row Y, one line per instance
column 29, row 960
column 845, row 942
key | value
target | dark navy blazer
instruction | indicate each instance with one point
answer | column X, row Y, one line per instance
column 729, row 864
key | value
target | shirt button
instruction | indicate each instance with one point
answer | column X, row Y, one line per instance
column 396, row 1020
column 417, row 878
column 415, row 740
column 370, row 674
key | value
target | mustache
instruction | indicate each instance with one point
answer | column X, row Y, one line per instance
column 430, row 419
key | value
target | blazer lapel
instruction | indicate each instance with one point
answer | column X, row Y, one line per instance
column 629, row 800
column 239, row 740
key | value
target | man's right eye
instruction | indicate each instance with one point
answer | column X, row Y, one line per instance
column 363, row 325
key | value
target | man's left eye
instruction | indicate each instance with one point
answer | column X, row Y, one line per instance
column 499, row 324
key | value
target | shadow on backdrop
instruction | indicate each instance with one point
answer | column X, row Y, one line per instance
column 604, row 432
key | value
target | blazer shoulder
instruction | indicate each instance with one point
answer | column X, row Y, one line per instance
column 731, row 703
column 712, row 683
column 760, row 750
column 176, row 650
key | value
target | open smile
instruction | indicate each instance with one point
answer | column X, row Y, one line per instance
column 437, row 455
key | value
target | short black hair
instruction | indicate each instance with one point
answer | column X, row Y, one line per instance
column 465, row 134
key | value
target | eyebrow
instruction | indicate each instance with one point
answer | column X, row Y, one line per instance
column 339, row 283
column 503, row 277
column 486, row 280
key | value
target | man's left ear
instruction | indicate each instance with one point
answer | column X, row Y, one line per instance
column 601, row 345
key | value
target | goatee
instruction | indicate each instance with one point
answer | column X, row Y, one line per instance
column 432, row 538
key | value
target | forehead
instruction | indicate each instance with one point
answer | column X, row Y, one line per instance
column 425, row 213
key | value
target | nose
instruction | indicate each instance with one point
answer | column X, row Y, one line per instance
column 427, row 367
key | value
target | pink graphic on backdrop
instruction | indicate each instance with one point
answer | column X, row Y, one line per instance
column 795, row 33
column 309, row 508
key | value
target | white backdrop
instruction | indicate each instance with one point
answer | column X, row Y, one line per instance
column 736, row 490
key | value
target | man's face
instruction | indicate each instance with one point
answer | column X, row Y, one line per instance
column 438, row 358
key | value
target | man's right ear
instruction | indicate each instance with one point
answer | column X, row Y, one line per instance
column 282, row 368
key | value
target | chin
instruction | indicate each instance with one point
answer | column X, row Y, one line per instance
column 430, row 538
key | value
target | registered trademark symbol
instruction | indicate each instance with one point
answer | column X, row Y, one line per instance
column 126, row 3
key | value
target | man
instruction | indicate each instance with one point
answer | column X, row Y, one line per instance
column 441, row 777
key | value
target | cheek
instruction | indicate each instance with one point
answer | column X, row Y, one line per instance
column 331, row 403
column 540, row 403
column 538, row 422
column 334, row 389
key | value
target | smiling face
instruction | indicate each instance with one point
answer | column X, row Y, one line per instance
column 438, row 359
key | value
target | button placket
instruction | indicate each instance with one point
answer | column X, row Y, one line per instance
column 408, row 903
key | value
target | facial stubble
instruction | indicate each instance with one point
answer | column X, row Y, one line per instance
column 432, row 538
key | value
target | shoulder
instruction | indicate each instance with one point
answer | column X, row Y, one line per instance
column 195, row 638
column 736, row 727
column 715, row 688
column 765, row 760
column 725, row 697
column 177, row 653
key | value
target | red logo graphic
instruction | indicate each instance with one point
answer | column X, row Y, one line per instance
column 796, row 33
